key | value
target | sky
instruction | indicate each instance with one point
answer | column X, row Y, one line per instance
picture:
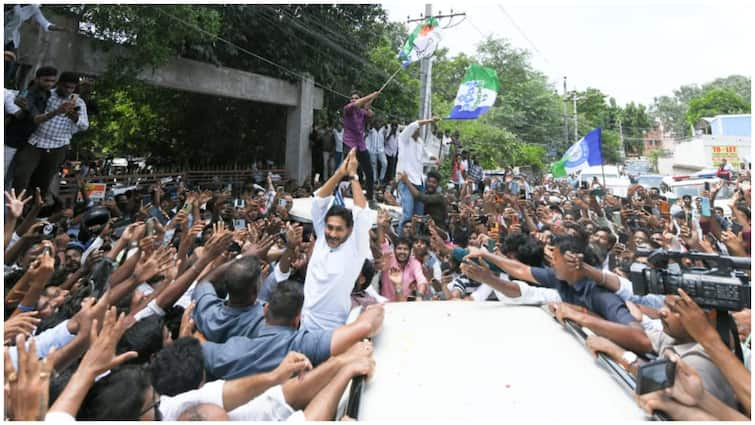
column 631, row 50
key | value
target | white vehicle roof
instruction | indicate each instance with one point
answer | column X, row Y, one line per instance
column 598, row 170
column 460, row 360
column 302, row 210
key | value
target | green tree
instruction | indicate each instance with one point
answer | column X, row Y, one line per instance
column 739, row 84
column 716, row 102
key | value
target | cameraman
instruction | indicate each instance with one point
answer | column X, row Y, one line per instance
column 675, row 336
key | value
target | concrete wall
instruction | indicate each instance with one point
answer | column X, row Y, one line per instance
column 70, row 51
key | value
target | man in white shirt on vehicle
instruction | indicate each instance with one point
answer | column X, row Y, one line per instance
column 411, row 152
column 342, row 245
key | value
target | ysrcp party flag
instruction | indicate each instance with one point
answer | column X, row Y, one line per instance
column 476, row 94
column 581, row 155
column 422, row 42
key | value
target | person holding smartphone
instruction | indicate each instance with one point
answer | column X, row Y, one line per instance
column 64, row 115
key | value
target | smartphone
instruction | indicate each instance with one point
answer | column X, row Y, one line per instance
column 655, row 376
column 239, row 223
column 623, row 238
column 735, row 228
column 705, row 207
column 707, row 186
column 522, row 194
column 648, row 209
column 626, row 203
column 187, row 207
column 282, row 203
column 150, row 226
column 514, row 219
column 491, row 245
column 317, row 177
column 665, row 207
column 616, row 215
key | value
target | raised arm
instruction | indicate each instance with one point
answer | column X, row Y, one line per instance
column 367, row 325
column 513, row 268
column 367, row 100
column 352, row 163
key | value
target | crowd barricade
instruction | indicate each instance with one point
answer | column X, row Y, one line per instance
column 205, row 178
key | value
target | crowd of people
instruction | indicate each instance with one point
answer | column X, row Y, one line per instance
column 209, row 305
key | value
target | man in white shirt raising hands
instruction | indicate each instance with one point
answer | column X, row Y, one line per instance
column 342, row 245
column 411, row 151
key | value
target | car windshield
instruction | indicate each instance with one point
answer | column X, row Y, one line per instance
column 650, row 181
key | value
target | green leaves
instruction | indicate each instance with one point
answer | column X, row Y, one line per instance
column 716, row 102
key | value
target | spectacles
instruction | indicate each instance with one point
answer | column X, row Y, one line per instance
column 156, row 407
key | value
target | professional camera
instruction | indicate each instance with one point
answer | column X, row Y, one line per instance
column 724, row 287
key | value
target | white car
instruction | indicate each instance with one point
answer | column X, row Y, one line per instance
column 615, row 182
column 471, row 361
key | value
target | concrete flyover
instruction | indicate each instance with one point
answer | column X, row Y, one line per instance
column 71, row 51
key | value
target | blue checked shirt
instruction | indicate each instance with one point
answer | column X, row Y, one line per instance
column 58, row 131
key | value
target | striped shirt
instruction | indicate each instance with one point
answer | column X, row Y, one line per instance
column 57, row 132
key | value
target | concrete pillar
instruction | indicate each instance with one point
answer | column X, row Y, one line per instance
column 298, row 126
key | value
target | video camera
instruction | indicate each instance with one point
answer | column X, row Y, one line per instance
column 725, row 287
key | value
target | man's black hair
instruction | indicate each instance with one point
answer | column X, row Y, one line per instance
column 68, row 77
column 434, row 174
column 579, row 230
column 241, row 279
column 368, row 271
column 145, row 337
column 172, row 320
column 576, row 246
column 510, row 243
column 46, row 71
column 403, row 241
column 531, row 253
column 285, row 302
column 611, row 237
column 118, row 396
column 344, row 213
column 178, row 368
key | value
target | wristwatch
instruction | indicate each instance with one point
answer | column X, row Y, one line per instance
column 629, row 357
column 354, row 177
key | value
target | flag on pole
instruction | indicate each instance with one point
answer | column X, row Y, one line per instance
column 422, row 42
column 476, row 94
column 583, row 154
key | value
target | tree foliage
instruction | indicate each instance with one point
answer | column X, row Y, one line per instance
column 716, row 102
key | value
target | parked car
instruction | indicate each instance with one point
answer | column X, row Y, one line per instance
column 615, row 182
column 471, row 361
column 650, row 180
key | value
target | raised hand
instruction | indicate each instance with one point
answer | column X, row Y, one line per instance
column 688, row 386
column 101, row 354
column 20, row 324
column 187, row 323
column 29, row 384
column 133, row 232
column 294, row 235
column 217, row 244
column 154, row 264
column 16, row 204
column 693, row 318
column 353, row 163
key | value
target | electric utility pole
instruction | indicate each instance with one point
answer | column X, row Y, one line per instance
column 576, row 131
column 426, row 72
column 566, row 119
